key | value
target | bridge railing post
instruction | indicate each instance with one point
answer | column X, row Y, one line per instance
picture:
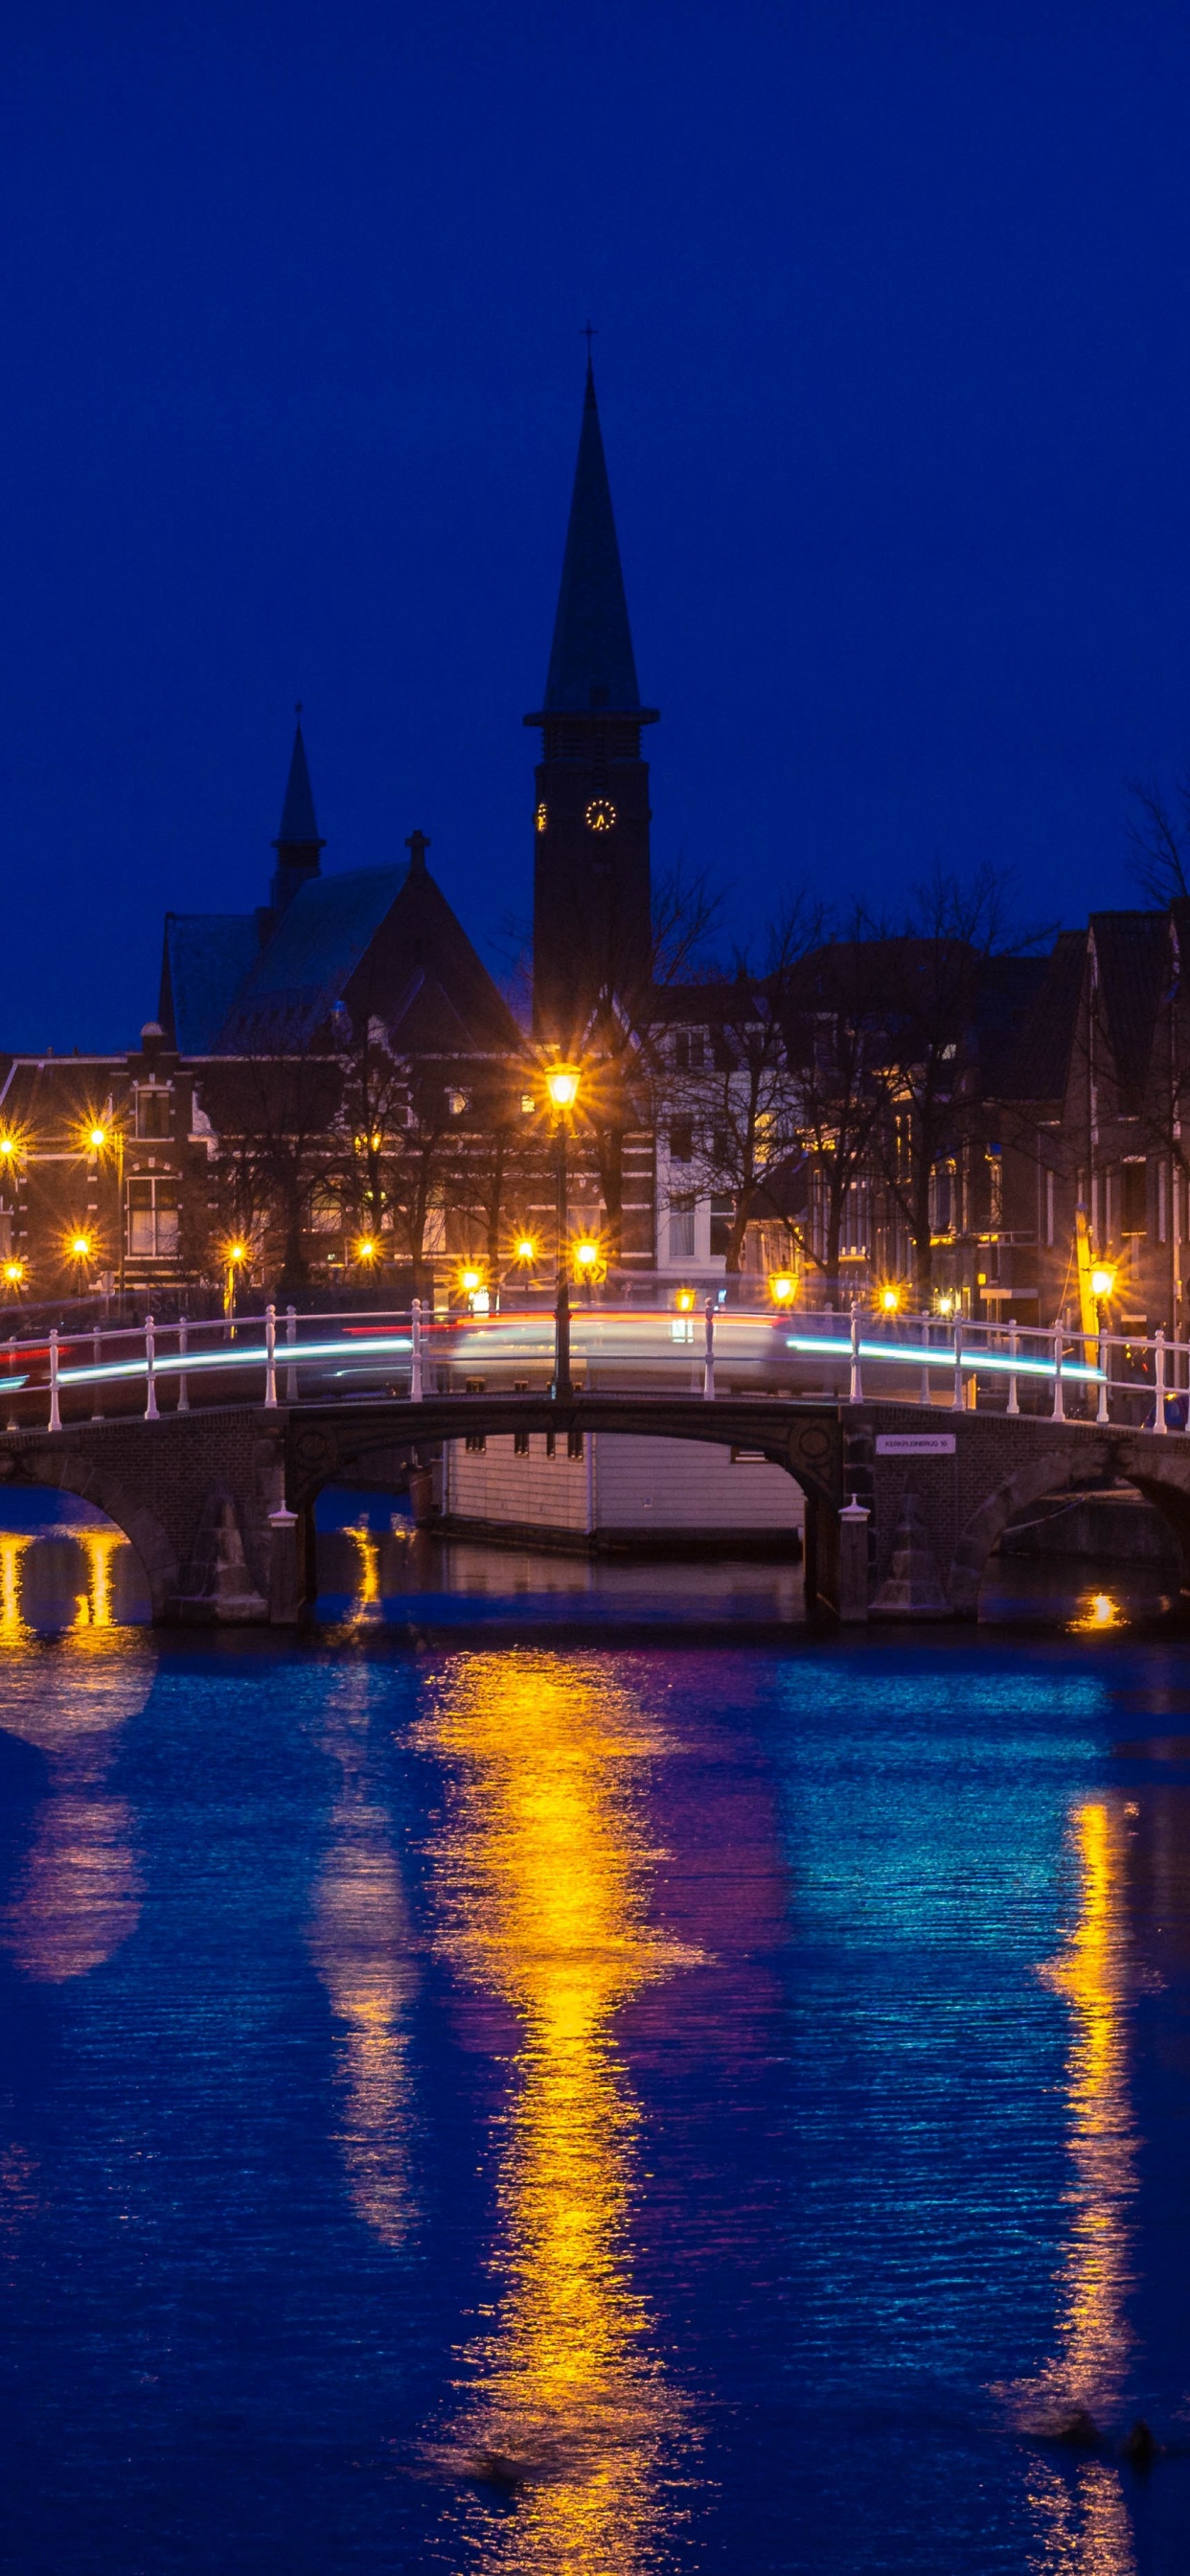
column 291, row 1381
column 708, row 1366
column 925, row 1366
column 415, row 1384
column 857, row 1383
column 96, row 1359
column 959, row 1399
column 1102, row 1414
column 183, row 1381
column 1059, row 1353
column 1159, row 1421
column 12, row 1371
column 55, row 1415
column 150, row 1371
column 1013, row 1345
column 270, row 1359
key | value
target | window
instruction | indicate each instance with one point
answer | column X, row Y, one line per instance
column 152, row 1220
column 681, row 1140
column 682, row 1051
column 325, row 1213
column 722, row 1221
column 681, row 1229
column 152, row 1112
column 1133, row 1197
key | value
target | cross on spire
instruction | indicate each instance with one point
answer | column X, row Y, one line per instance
column 417, row 845
column 589, row 333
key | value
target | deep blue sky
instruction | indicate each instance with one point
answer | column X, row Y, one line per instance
column 895, row 383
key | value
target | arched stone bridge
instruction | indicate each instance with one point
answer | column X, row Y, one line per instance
column 219, row 1503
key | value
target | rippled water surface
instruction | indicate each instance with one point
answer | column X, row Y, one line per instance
column 567, row 2112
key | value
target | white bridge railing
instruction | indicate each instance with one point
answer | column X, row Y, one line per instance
column 645, row 1333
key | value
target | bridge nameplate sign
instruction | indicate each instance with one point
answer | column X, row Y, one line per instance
column 915, row 1444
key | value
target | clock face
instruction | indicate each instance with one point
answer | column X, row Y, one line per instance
column 601, row 815
column 541, row 818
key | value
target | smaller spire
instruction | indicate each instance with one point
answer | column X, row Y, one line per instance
column 299, row 825
column 299, row 842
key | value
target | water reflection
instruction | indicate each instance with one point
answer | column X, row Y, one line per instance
column 76, row 1898
column 13, row 1544
column 366, row 1600
column 1083, row 2520
column 543, row 1874
column 1097, row 1611
column 361, row 1948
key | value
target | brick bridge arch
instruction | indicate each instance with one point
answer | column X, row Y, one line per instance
column 1158, row 1471
column 74, row 1470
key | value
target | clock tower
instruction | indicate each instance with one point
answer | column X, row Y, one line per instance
column 592, row 924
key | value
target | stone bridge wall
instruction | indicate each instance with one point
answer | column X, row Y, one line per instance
column 219, row 1504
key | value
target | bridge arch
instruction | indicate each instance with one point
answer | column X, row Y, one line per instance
column 1163, row 1482
column 71, row 1471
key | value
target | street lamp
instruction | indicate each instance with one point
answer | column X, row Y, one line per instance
column 14, row 1274
column 562, row 1082
column 782, row 1288
column 1103, row 1281
column 890, row 1300
column 236, row 1256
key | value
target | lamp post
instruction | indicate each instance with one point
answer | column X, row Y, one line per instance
column 561, row 1082
column 105, row 1140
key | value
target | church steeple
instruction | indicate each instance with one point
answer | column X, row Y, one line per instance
column 591, row 659
column 591, row 905
column 299, row 842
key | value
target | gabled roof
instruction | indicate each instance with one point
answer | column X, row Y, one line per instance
column 1132, row 954
column 205, row 959
column 591, row 660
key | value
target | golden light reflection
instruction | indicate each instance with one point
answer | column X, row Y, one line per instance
column 1083, row 2522
column 12, row 1623
column 366, row 1601
column 76, row 1898
column 543, row 1874
column 1097, row 1611
column 360, row 1943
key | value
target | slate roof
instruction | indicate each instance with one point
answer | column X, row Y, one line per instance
column 305, row 966
column 591, row 659
column 206, row 958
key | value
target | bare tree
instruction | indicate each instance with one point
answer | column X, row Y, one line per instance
column 836, row 1054
column 1159, row 840
column 931, row 972
column 743, row 1124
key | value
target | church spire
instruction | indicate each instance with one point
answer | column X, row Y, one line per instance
column 591, row 660
column 299, row 842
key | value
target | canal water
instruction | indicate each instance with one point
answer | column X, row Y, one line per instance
column 551, row 2109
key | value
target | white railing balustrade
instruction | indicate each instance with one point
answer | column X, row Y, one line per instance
column 623, row 1339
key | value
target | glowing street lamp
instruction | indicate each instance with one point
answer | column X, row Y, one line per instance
column 14, row 1274
column 234, row 1258
column 586, row 1255
column 526, row 1250
column 366, row 1249
column 101, row 1140
column 782, row 1288
column 890, row 1300
column 1103, row 1280
column 684, row 1301
column 80, row 1247
column 562, row 1082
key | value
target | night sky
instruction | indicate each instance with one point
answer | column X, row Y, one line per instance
column 893, row 369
